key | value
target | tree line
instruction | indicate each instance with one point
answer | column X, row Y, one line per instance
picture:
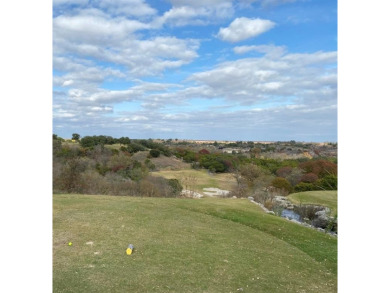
column 92, row 167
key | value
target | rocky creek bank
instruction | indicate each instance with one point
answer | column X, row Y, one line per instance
column 313, row 216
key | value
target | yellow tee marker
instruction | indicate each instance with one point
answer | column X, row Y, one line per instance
column 129, row 249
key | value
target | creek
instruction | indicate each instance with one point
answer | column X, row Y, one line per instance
column 291, row 215
column 313, row 216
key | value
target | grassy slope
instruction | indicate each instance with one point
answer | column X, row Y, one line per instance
column 326, row 198
column 199, row 179
column 207, row 245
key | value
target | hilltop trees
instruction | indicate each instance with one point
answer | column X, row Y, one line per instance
column 75, row 136
column 90, row 141
column 124, row 140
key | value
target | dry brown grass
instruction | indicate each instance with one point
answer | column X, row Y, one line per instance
column 200, row 178
column 169, row 163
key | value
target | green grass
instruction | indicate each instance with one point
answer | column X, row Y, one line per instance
column 325, row 198
column 184, row 245
column 115, row 146
column 199, row 179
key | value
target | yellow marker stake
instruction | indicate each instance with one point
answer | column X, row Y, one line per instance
column 129, row 249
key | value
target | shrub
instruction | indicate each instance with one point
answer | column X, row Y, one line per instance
column 93, row 183
column 307, row 211
column 283, row 171
column 153, row 186
column 148, row 163
column 213, row 162
column 154, row 153
column 328, row 182
column 240, row 191
column 189, row 157
column 57, row 147
column 309, row 178
column 295, row 176
column 119, row 160
column 250, row 172
column 268, row 205
column 135, row 147
column 283, row 184
column 100, row 154
column 319, row 167
column 302, row 186
column 136, row 171
column 70, row 179
column 102, row 169
column 175, row 186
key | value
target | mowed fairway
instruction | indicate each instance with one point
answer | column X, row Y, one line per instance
column 199, row 179
column 184, row 245
column 319, row 197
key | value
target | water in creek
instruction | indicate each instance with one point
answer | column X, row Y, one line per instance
column 290, row 214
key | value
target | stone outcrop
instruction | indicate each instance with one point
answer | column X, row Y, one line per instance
column 321, row 220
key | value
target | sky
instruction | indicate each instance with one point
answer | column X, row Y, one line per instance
column 258, row 70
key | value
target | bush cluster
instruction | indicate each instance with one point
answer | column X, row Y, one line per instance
column 214, row 162
column 100, row 170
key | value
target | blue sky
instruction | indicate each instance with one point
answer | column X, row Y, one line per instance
column 262, row 70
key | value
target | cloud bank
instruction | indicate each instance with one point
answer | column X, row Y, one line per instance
column 131, row 68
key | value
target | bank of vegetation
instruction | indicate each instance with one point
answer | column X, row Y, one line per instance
column 106, row 165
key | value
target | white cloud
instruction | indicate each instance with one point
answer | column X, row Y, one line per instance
column 82, row 76
column 67, row 82
column 305, row 59
column 94, row 27
column 101, row 109
column 244, row 28
column 195, row 13
column 127, row 7
column 92, row 34
column 104, row 96
column 132, row 118
column 308, row 78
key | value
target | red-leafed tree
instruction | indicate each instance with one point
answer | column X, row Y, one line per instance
column 283, row 171
column 319, row 167
column 309, row 178
column 204, row 152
